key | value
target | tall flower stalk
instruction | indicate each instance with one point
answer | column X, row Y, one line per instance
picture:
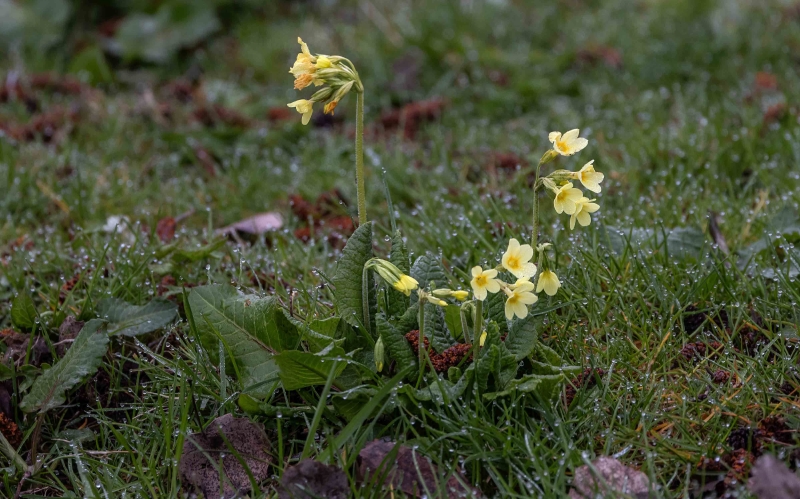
column 337, row 76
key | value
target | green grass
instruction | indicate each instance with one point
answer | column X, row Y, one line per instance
column 678, row 128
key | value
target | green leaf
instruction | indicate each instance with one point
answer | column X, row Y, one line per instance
column 686, row 243
column 496, row 308
column 396, row 344
column 158, row 37
column 547, row 355
column 81, row 360
column 398, row 302
column 452, row 317
column 23, row 312
column 349, row 402
column 131, row 320
column 499, row 363
column 197, row 254
column 348, row 276
column 436, row 328
column 409, row 320
column 251, row 328
column 299, row 369
column 320, row 333
column 523, row 336
column 427, row 269
column 545, row 386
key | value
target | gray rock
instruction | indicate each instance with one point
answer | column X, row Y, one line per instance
column 608, row 478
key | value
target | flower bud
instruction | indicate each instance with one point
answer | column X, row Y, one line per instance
column 379, row 354
column 482, row 339
column 459, row 294
column 548, row 156
column 394, row 276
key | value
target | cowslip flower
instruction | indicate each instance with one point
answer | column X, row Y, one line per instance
column 522, row 283
column 583, row 207
column 548, row 281
column 304, row 107
column 518, row 301
column 305, row 67
column 484, row 281
column 569, row 143
column 405, row 284
column 517, row 259
column 458, row 294
column 566, row 198
column 588, row 177
column 482, row 339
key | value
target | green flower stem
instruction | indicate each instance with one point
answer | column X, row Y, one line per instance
column 360, row 188
column 365, row 305
column 535, row 232
column 476, row 339
column 421, row 337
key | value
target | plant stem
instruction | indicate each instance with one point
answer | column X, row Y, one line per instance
column 477, row 332
column 360, row 189
column 535, row 232
column 421, row 337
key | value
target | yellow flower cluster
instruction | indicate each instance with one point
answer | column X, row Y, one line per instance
column 335, row 73
column 517, row 261
column 568, row 199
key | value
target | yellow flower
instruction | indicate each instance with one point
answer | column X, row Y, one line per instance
column 460, row 295
column 548, row 281
column 484, row 281
column 588, row 177
column 517, row 259
column 569, row 143
column 406, row 284
column 303, row 107
column 523, row 283
column 583, row 207
column 482, row 339
column 518, row 301
column 306, row 66
column 566, row 197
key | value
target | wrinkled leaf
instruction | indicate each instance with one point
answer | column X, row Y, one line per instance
column 81, row 360
column 452, row 317
column 219, row 451
column 495, row 306
column 348, row 276
column 320, row 333
column 522, row 337
column 131, row 320
column 427, row 269
column 397, row 346
column 436, row 328
column 251, row 328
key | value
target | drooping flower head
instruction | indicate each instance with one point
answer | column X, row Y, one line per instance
column 568, row 143
column 517, row 259
column 583, row 207
column 484, row 281
column 548, row 281
column 405, row 284
column 588, row 177
column 566, row 197
column 393, row 275
column 518, row 300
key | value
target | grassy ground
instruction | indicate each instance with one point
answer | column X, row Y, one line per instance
column 690, row 109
